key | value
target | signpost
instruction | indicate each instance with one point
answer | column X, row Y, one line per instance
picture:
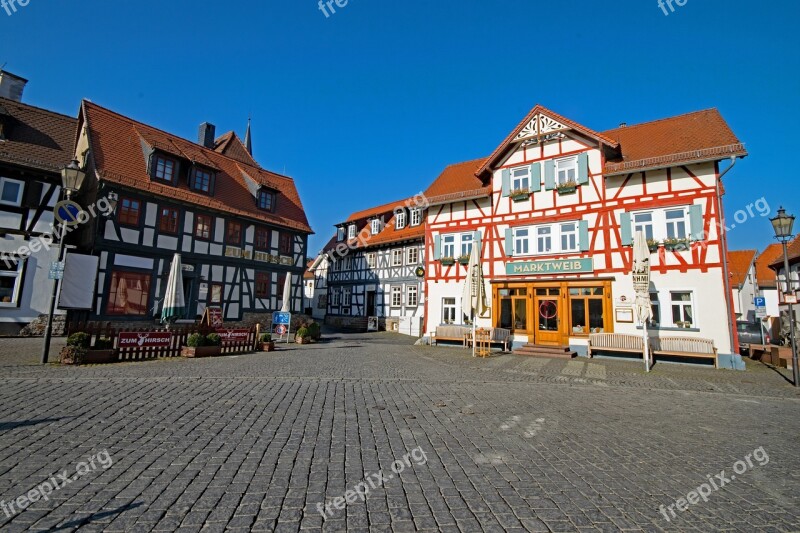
column 56, row 270
column 761, row 306
column 282, row 325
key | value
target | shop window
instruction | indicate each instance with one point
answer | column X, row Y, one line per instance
column 514, row 309
column 129, row 294
column 586, row 310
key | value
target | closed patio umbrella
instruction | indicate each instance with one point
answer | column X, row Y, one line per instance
column 287, row 295
column 174, row 306
column 473, row 297
column 641, row 284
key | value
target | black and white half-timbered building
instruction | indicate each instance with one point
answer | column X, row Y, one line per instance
column 374, row 267
column 240, row 229
column 35, row 144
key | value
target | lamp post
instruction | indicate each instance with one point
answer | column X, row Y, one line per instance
column 71, row 180
column 783, row 232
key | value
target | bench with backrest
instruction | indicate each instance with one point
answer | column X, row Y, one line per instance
column 685, row 347
column 451, row 334
column 499, row 336
column 615, row 342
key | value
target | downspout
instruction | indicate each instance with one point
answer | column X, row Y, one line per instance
column 734, row 337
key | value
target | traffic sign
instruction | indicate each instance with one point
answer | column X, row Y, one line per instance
column 760, row 301
column 67, row 212
column 282, row 318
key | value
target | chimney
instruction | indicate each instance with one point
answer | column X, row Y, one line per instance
column 206, row 135
column 623, row 125
column 11, row 86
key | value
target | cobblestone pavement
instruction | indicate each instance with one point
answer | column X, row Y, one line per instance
column 254, row 443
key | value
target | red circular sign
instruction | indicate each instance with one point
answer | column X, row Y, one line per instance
column 281, row 330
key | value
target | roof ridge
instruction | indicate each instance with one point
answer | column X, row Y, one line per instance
column 38, row 108
column 663, row 119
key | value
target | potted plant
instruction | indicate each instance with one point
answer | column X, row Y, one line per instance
column 568, row 187
column 197, row 346
column 448, row 261
column 302, row 336
column 267, row 344
column 653, row 245
column 677, row 245
column 463, row 259
column 103, row 352
column 520, row 195
column 76, row 349
column 314, row 331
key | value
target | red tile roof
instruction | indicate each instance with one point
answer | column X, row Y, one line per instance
column 117, row 146
column 389, row 234
column 231, row 145
column 457, row 182
column 766, row 276
column 739, row 264
column 35, row 137
column 793, row 250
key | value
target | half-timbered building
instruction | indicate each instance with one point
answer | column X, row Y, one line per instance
column 239, row 228
column 35, row 144
column 376, row 268
column 556, row 207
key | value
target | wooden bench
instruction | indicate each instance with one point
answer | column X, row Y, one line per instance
column 451, row 334
column 499, row 336
column 685, row 347
column 616, row 342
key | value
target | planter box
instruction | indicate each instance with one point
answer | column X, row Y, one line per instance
column 463, row 260
column 202, row 351
column 520, row 197
column 267, row 346
column 567, row 190
column 653, row 249
column 678, row 247
column 99, row 357
column 301, row 340
column 448, row 262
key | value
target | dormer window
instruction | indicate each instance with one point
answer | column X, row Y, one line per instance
column 165, row 169
column 416, row 217
column 339, row 234
column 400, row 220
column 201, row 180
column 266, row 200
column 375, row 226
column 351, row 232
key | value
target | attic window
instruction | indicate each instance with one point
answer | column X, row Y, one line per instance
column 201, row 180
column 416, row 217
column 165, row 169
column 400, row 220
column 266, row 200
column 351, row 231
column 339, row 234
column 375, row 226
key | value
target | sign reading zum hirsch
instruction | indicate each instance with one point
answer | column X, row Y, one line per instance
column 566, row 266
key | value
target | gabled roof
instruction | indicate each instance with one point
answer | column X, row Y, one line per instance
column 230, row 145
column 690, row 138
column 793, row 251
column 739, row 264
column 458, row 182
column 389, row 234
column 765, row 275
column 35, row 137
column 118, row 146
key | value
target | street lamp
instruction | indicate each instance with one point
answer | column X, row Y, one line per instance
column 783, row 232
column 71, row 180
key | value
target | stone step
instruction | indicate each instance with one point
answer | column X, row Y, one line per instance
column 553, row 352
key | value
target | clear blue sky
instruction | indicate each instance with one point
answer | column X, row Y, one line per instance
column 369, row 105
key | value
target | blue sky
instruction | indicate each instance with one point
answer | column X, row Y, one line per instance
column 370, row 104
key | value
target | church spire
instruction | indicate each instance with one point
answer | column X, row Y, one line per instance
column 248, row 140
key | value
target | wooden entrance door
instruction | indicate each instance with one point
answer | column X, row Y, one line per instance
column 547, row 312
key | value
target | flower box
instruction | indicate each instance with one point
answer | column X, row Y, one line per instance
column 268, row 346
column 520, row 195
column 652, row 245
column 447, row 261
column 677, row 245
column 201, row 351
column 464, row 260
column 567, row 188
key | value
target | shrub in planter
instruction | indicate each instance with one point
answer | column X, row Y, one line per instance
column 463, row 259
column 314, row 331
column 103, row 344
column 212, row 339
column 198, row 346
column 103, row 352
column 79, row 339
column 75, row 351
column 447, row 261
column 568, row 187
column 520, row 195
column 266, row 343
column 195, row 340
column 302, row 336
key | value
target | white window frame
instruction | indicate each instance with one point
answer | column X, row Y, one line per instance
column 659, row 224
column 416, row 217
column 466, row 239
column 565, row 165
column 447, row 307
column 20, row 193
column 691, row 303
column 351, row 232
column 400, row 220
column 521, row 178
column 347, row 297
column 397, row 257
column 574, row 234
column 375, row 226
column 528, row 245
column 335, row 297
column 635, row 225
column 447, row 245
column 412, row 296
column 339, row 234
column 372, row 260
column 17, row 283
column 522, row 242
column 684, row 220
column 541, row 237
column 396, row 296
column 412, row 256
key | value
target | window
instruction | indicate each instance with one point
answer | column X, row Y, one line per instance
column 347, row 297
column 215, row 296
column 266, row 200
column 165, row 168
column 448, row 310
column 168, row 220
column 261, row 239
column 569, row 237
column 397, row 257
column 233, row 233
column 128, row 211
column 412, row 256
column 263, row 280
column 567, row 170
column 372, row 260
column 339, row 234
column 544, row 239
column 676, row 223
column 397, row 296
column 466, row 244
column 285, row 245
column 514, row 309
column 348, row 263
column 335, row 297
column 11, row 192
column 400, row 220
column 351, row 231
column 375, row 226
column 656, row 308
column 412, row 296
column 202, row 227
column 448, row 246
column 586, row 310
column 521, row 241
column 643, row 222
column 682, row 309
column 521, row 179
column 416, row 217
column 201, row 180
column 10, row 282
column 129, row 294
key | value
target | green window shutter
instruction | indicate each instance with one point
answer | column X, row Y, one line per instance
column 437, row 247
column 509, row 242
column 583, row 168
column 583, row 234
column 696, row 222
column 549, row 175
column 536, row 177
column 506, row 182
column 477, row 240
column 626, row 229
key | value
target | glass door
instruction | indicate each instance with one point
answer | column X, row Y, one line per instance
column 547, row 308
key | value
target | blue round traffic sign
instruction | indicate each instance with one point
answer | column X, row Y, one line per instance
column 67, row 212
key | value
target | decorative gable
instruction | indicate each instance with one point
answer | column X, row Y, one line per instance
column 541, row 125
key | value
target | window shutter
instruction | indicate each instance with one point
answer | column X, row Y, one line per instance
column 477, row 240
column 583, row 168
column 536, row 177
column 506, row 182
column 437, row 247
column 696, row 222
column 509, row 242
column 549, row 175
column 583, row 234
column 625, row 229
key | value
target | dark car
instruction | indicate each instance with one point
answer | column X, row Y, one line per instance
column 751, row 333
